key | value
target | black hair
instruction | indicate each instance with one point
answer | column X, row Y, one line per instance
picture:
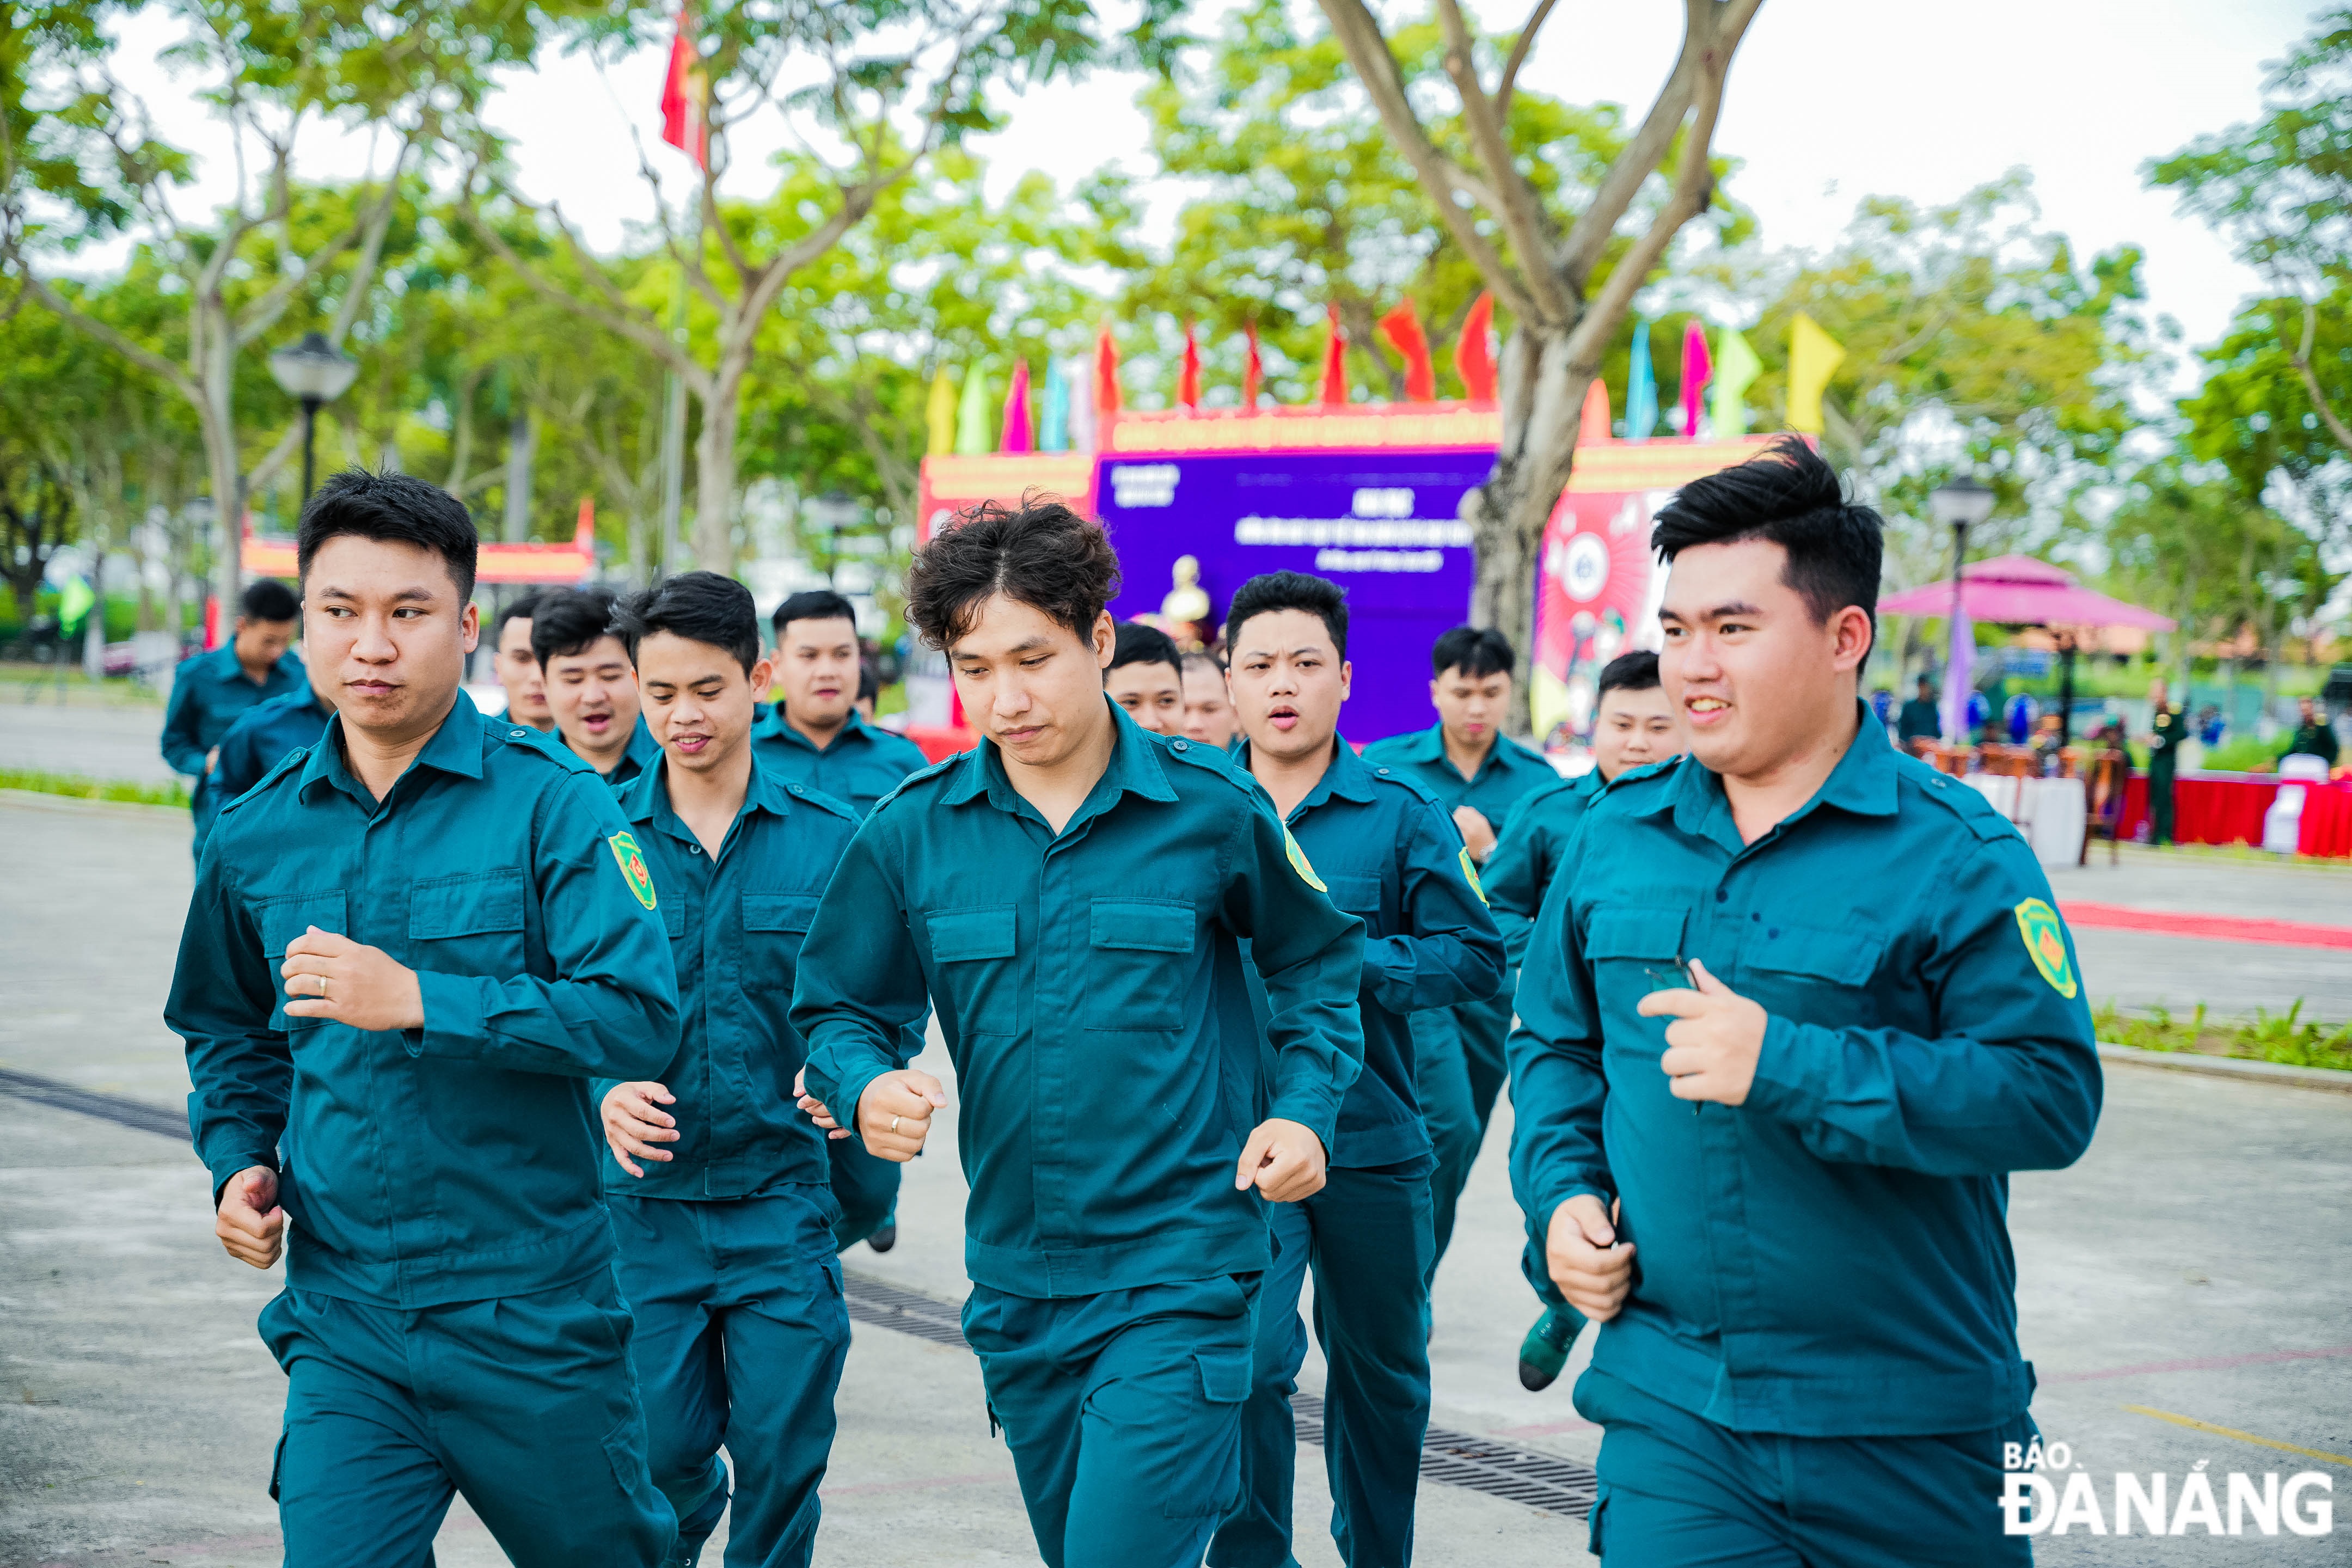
column 1135, row 643
column 814, row 604
column 569, row 621
column 1476, row 651
column 700, row 607
column 1198, row 659
column 399, row 508
column 1789, row 495
column 1636, row 671
column 869, row 680
column 269, row 600
column 1041, row 553
column 1271, row 591
column 523, row 609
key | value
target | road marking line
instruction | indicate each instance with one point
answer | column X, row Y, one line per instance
column 2190, row 1421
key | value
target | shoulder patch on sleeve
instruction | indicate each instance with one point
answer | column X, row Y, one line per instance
column 1298, row 862
column 1470, row 873
column 632, row 861
column 2045, row 943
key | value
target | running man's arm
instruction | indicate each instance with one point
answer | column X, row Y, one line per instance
column 224, row 993
column 1557, row 1087
column 1452, row 952
column 858, row 994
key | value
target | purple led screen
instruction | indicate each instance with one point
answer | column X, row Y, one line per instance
column 1380, row 524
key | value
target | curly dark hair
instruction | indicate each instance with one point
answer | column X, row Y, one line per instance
column 1041, row 552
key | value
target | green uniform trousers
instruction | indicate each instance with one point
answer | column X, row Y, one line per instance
column 1123, row 1412
column 865, row 1185
column 1367, row 1236
column 2159, row 806
column 1458, row 1069
column 526, row 1404
column 741, row 1335
column 1679, row 1491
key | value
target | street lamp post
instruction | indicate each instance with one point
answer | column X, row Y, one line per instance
column 317, row 373
column 835, row 513
column 1963, row 503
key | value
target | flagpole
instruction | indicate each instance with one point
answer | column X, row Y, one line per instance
column 673, row 455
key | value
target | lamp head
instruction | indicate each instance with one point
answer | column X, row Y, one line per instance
column 1964, row 502
column 313, row 369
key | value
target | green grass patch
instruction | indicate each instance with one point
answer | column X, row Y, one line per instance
column 78, row 788
column 2286, row 1038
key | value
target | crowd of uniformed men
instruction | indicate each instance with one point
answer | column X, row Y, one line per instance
column 572, row 1045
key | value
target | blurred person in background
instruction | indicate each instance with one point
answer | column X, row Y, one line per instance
column 269, row 732
column 590, row 685
column 213, row 690
column 516, row 666
column 1208, row 706
column 1146, row 677
column 2314, row 735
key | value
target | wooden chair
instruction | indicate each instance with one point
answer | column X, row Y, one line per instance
column 2102, row 802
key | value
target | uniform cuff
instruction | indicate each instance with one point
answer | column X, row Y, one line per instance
column 1791, row 1070
column 1315, row 1106
column 452, row 1017
column 840, row 1094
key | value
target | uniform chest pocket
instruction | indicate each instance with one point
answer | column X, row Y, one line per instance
column 1817, row 974
column 470, row 924
column 1632, row 953
column 774, row 926
column 281, row 919
column 1139, row 961
column 975, row 977
column 1356, row 896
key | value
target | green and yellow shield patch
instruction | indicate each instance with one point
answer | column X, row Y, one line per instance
column 632, row 861
column 2045, row 943
column 1299, row 863
column 1470, row 874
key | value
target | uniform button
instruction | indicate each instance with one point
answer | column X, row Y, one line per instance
column 794, row 788
column 1758, row 919
column 694, row 848
column 1180, row 745
column 1384, row 773
column 1723, row 895
column 1773, row 933
column 516, row 734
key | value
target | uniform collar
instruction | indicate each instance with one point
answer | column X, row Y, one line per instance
column 1135, row 766
column 643, row 749
column 1863, row 785
column 853, row 730
column 1348, row 775
column 223, row 666
column 645, row 800
column 455, row 748
column 1429, row 746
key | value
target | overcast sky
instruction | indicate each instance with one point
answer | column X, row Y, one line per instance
column 1829, row 101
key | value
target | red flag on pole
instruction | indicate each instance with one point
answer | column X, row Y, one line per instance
column 1402, row 330
column 1253, row 368
column 1334, row 360
column 1188, row 373
column 1473, row 360
column 685, row 95
column 1106, row 380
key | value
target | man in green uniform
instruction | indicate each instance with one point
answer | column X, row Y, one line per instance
column 2314, row 735
column 816, row 738
column 213, row 690
column 1072, row 895
column 590, row 685
column 517, row 668
column 1388, row 856
column 1795, row 1007
column 718, row 1183
column 1146, row 678
column 1920, row 720
column 265, row 732
column 411, row 947
column 1478, row 773
column 2167, row 727
column 1632, row 727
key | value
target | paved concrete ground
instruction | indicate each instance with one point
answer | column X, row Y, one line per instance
column 82, row 738
column 2195, row 1263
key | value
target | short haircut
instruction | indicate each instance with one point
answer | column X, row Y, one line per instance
column 1636, row 671
column 1789, row 495
column 1272, row 591
column 571, row 621
column 869, row 680
column 700, row 607
column 522, row 609
column 1136, row 643
column 269, row 600
column 814, row 604
column 394, row 507
column 1205, row 662
column 1040, row 553
column 1476, row 651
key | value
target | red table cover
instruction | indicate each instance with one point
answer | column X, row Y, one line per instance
column 2326, row 821
column 2205, row 810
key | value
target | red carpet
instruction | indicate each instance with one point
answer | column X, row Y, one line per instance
column 2214, row 928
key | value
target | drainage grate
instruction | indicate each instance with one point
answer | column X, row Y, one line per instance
column 114, row 1108
column 1523, row 1476
column 888, row 1307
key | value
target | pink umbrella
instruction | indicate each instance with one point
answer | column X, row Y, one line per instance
column 2019, row 591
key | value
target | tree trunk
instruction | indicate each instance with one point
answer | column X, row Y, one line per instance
column 1543, row 398
column 714, row 463
column 214, row 353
